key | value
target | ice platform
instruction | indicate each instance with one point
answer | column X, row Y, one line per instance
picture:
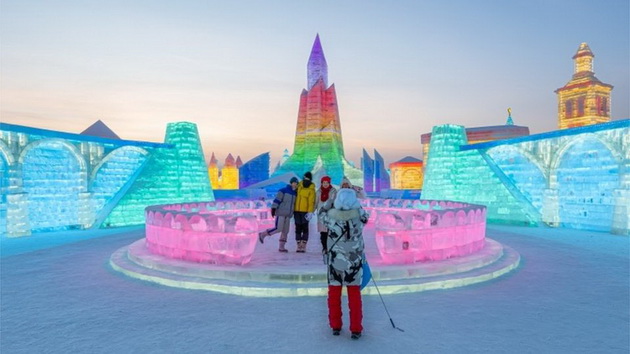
column 274, row 274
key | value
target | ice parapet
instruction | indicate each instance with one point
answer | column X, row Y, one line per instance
column 208, row 232
column 413, row 231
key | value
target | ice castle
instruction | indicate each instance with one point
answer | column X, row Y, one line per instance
column 318, row 141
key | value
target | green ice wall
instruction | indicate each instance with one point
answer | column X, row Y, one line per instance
column 170, row 176
column 465, row 176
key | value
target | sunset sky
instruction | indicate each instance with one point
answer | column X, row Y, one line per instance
column 236, row 68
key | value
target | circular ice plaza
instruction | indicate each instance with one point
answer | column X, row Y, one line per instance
column 411, row 246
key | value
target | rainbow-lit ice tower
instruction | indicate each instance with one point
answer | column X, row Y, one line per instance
column 318, row 142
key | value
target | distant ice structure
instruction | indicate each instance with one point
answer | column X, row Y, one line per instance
column 375, row 176
column 53, row 180
column 254, row 171
column 406, row 173
column 229, row 174
column 100, row 129
column 577, row 178
column 482, row 134
column 318, row 133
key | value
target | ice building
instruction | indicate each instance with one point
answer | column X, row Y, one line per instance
column 406, row 173
column 482, row 134
column 254, row 171
column 229, row 174
column 576, row 178
column 213, row 172
column 318, row 132
column 283, row 159
column 584, row 100
column 226, row 177
column 375, row 176
column 52, row 180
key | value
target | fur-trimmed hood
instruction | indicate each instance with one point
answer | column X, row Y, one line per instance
column 343, row 215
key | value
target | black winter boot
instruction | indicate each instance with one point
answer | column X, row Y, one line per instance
column 336, row 332
column 323, row 237
column 355, row 335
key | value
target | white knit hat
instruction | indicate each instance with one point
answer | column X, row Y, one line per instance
column 346, row 199
column 346, row 181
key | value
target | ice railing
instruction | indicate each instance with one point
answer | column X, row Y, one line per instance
column 207, row 232
column 226, row 232
column 409, row 231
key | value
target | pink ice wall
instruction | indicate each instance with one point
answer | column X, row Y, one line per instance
column 413, row 231
column 212, row 232
column 407, row 231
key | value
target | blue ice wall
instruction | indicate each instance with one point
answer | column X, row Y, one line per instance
column 52, row 179
column 587, row 176
column 367, row 165
column 577, row 178
column 522, row 172
column 4, row 183
column 254, row 171
column 381, row 177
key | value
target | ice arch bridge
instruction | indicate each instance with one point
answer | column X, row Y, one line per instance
column 576, row 178
column 51, row 180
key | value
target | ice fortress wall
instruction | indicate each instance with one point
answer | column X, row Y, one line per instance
column 576, row 178
column 52, row 180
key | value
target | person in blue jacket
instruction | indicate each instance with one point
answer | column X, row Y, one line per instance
column 282, row 209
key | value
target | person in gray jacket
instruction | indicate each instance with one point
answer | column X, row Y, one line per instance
column 282, row 210
column 345, row 258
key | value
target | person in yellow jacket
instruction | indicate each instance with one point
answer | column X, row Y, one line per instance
column 304, row 207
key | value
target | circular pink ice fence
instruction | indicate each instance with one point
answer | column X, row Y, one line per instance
column 207, row 232
column 409, row 231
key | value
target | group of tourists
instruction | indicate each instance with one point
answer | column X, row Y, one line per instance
column 340, row 221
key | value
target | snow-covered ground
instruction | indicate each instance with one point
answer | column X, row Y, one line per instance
column 571, row 294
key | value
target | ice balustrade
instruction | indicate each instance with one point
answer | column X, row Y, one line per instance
column 409, row 231
column 207, row 232
column 225, row 232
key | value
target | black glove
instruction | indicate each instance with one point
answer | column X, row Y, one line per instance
column 273, row 212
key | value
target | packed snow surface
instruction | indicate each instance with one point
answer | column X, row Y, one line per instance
column 570, row 295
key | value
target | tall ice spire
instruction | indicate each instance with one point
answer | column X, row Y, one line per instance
column 318, row 143
column 317, row 67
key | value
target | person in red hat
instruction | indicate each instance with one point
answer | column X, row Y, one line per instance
column 325, row 197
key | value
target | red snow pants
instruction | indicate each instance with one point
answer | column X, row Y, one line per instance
column 354, row 303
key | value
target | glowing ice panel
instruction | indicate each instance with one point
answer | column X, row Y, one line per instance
column 522, row 171
column 52, row 181
column 587, row 176
column 116, row 169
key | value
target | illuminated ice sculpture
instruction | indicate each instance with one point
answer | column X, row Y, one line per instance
column 576, row 178
column 318, row 139
column 206, row 232
column 407, row 231
column 414, row 231
column 171, row 175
